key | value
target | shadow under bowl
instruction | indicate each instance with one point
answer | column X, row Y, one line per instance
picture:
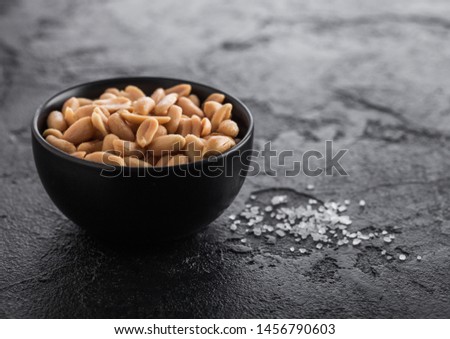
column 136, row 204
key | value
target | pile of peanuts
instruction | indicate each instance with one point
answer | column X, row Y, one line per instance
column 128, row 128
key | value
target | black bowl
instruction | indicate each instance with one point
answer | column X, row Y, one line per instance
column 135, row 204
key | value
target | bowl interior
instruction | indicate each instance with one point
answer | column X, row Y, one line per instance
column 94, row 89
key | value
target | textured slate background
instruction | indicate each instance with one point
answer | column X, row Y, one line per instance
column 372, row 76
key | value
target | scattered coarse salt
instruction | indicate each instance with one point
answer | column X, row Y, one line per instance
column 347, row 202
column 389, row 257
column 383, row 252
column 312, row 201
column 302, row 250
column 319, row 246
column 253, row 197
column 268, row 209
column 362, row 203
column 271, row 239
column 257, row 231
column 356, row 242
column 342, row 208
column 292, row 249
column 310, row 187
column 243, row 240
column 384, row 232
column 402, row 257
column 233, row 227
column 419, row 257
column 232, row 217
column 280, row 233
column 387, row 239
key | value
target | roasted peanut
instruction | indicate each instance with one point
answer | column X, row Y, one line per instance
column 157, row 95
column 160, row 132
column 106, row 96
column 136, row 162
column 61, row 144
column 167, row 144
column 99, row 123
column 128, row 148
column 194, row 147
column 82, row 130
column 210, row 108
column 118, row 127
column 139, row 119
column 194, row 99
column 217, row 145
column 52, row 131
column 56, row 120
column 196, row 125
column 105, row 158
column 108, row 142
column 219, row 116
column 228, row 127
column 146, row 132
column 164, row 104
column 79, row 155
column 143, row 106
column 217, row 97
column 189, row 107
column 85, row 111
column 114, row 91
column 90, row 146
column 163, row 161
column 73, row 103
column 134, row 93
column 113, row 105
column 84, row 101
column 70, row 116
column 183, row 90
column 206, row 127
column 185, row 127
column 174, row 113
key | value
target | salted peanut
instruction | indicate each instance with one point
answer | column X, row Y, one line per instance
column 82, row 130
column 56, row 120
column 219, row 116
column 134, row 93
column 163, row 161
column 228, row 127
column 114, row 91
column 90, row 146
column 84, row 101
column 215, row 134
column 174, row 113
column 189, row 107
column 210, row 108
column 167, row 144
column 143, row 106
column 106, row 96
column 183, row 90
column 79, row 155
column 85, row 111
column 120, row 128
column 157, row 95
column 217, row 97
column 70, row 116
column 146, row 132
column 103, row 112
column 184, row 127
column 105, row 158
column 206, row 127
column 164, row 104
column 108, row 142
column 53, row 131
column 194, row 147
column 113, row 105
column 136, row 162
column 61, row 144
column 196, row 125
column 160, row 132
column 73, row 103
column 128, row 148
column 99, row 124
column 217, row 144
column 178, row 159
column 139, row 119
column 194, row 99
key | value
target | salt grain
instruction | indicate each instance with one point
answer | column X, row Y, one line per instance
column 387, row 239
column 356, row 242
column 402, row 257
column 233, row 227
column 419, row 258
column 362, row 203
column 310, row 187
column 292, row 249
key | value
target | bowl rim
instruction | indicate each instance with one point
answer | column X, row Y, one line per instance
column 39, row 137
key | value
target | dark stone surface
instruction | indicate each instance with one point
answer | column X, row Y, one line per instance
column 372, row 76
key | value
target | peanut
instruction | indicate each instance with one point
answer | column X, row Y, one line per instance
column 164, row 104
column 52, row 131
column 210, row 108
column 106, row 96
column 108, row 142
column 194, row 147
column 167, row 144
column 70, row 116
column 118, row 127
column 90, row 146
column 143, row 106
column 228, row 127
column 82, row 130
column 99, row 123
column 185, row 127
column 206, row 127
column 217, row 145
column 196, row 125
column 174, row 113
column 79, row 155
column 157, row 95
column 160, row 132
column 113, row 105
column 72, row 102
column 217, row 97
column 61, row 144
column 56, row 120
column 183, row 90
column 146, row 132
column 194, row 99
column 85, row 111
column 178, row 159
column 134, row 93
column 128, row 148
column 219, row 116
column 105, row 158
column 136, row 162
column 84, row 101
column 139, row 119
column 163, row 161
column 189, row 107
